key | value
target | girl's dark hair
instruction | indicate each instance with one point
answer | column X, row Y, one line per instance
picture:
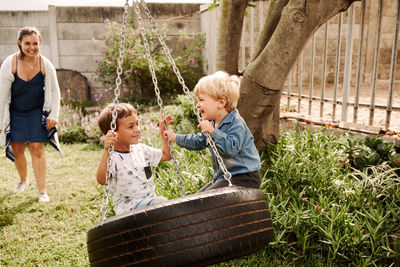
column 27, row 31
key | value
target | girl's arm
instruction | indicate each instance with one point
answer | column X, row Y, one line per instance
column 109, row 139
column 166, row 151
column 102, row 168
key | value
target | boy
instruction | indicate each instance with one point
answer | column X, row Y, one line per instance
column 217, row 97
column 131, row 180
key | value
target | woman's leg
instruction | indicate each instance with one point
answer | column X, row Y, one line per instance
column 38, row 164
column 20, row 159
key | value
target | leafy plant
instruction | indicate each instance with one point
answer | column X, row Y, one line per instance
column 351, row 148
column 327, row 215
column 75, row 127
column 137, row 86
column 365, row 158
column 371, row 151
column 384, row 149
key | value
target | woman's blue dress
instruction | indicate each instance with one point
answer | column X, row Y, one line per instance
column 27, row 99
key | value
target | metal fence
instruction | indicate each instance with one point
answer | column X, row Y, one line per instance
column 347, row 73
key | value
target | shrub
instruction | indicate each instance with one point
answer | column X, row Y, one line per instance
column 327, row 215
column 136, row 77
column 371, row 151
column 75, row 127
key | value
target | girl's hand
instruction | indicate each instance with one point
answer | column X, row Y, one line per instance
column 110, row 138
column 168, row 120
column 206, row 127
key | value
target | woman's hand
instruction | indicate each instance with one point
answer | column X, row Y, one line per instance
column 50, row 124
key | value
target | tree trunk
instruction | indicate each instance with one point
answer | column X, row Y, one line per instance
column 231, row 13
column 288, row 29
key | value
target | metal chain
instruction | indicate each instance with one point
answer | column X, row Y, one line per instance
column 113, row 125
column 157, row 91
column 227, row 174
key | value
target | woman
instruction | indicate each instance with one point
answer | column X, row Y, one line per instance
column 29, row 90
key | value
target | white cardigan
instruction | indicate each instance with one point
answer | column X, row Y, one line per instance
column 51, row 93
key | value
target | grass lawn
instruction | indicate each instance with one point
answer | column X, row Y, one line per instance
column 54, row 233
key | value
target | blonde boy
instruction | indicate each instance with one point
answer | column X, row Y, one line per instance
column 217, row 97
column 132, row 184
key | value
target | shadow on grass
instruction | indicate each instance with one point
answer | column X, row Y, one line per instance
column 7, row 214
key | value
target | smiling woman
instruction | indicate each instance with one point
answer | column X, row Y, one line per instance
column 29, row 106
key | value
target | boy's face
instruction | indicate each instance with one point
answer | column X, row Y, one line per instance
column 128, row 131
column 209, row 107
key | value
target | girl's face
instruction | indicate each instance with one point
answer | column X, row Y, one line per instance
column 209, row 107
column 30, row 45
column 128, row 132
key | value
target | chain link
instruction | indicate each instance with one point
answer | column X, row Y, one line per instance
column 113, row 125
column 227, row 174
column 157, row 91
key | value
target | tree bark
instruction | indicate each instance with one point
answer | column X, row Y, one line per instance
column 276, row 53
column 231, row 14
column 271, row 21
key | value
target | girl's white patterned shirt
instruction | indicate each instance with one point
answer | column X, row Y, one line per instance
column 131, row 176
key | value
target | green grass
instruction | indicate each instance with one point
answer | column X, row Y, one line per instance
column 50, row 234
column 324, row 213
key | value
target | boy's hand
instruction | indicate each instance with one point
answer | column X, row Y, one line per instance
column 206, row 126
column 110, row 138
column 169, row 135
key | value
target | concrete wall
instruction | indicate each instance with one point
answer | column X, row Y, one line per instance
column 72, row 35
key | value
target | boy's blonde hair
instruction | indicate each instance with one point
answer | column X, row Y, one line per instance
column 105, row 117
column 220, row 85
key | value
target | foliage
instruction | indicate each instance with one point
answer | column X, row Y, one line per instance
column 75, row 127
column 371, row 151
column 137, row 83
column 325, row 213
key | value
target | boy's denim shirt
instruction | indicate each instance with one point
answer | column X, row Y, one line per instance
column 234, row 142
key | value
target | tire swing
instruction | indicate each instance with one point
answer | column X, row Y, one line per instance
column 193, row 230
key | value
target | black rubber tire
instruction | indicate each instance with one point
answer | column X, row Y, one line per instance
column 195, row 230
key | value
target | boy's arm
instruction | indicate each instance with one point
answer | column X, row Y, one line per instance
column 188, row 141
column 229, row 143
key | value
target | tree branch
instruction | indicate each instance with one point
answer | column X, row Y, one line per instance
column 271, row 21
